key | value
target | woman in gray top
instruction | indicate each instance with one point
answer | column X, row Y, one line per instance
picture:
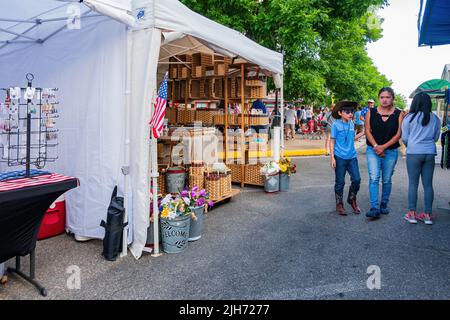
column 420, row 130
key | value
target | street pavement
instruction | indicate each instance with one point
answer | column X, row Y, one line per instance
column 289, row 245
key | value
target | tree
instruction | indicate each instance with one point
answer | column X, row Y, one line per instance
column 400, row 101
column 323, row 42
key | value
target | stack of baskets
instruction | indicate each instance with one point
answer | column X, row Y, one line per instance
column 206, row 116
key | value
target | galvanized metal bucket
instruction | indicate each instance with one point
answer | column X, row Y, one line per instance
column 175, row 179
column 196, row 228
column 151, row 234
column 272, row 182
column 175, row 234
column 284, row 181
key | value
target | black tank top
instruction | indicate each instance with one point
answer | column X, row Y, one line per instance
column 384, row 131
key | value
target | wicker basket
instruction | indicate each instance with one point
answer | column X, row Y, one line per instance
column 258, row 120
column 225, row 184
column 212, row 186
column 253, row 174
column 236, row 172
column 197, row 169
column 162, row 178
column 216, row 88
column 206, row 116
column 171, row 115
column 194, row 88
column 196, row 180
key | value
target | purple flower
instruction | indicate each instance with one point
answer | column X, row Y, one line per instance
column 200, row 202
column 184, row 193
column 202, row 193
column 195, row 188
column 210, row 203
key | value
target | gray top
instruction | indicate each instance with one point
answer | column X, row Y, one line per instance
column 419, row 139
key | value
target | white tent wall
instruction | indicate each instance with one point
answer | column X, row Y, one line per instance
column 145, row 54
column 88, row 66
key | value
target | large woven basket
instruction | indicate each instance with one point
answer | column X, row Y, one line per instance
column 225, row 184
column 212, row 185
column 253, row 174
column 196, row 180
column 236, row 172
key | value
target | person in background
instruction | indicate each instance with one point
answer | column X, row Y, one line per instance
column 329, row 120
column 370, row 104
column 309, row 114
column 259, row 105
column 343, row 157
column 275, row 121
column 359, row 124
column 383, row 131
column 421, row 130
column 290, row 121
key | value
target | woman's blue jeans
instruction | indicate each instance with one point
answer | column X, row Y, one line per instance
column 420, row 165
column 380, row 167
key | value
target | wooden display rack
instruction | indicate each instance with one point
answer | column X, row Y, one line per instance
column 233, row 87
column 234, row 192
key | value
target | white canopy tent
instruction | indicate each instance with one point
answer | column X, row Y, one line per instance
column 103, row 56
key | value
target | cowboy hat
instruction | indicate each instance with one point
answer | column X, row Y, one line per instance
column 344, row 104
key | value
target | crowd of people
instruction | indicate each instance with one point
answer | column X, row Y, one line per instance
column 384, row 127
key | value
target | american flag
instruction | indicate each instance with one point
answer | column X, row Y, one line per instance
column 159, row 112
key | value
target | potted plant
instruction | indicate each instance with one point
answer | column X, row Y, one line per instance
column 287, row 168
column 198, row 202
column 175, row 221
column 271, row 177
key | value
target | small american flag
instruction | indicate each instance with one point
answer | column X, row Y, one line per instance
column 159, row 112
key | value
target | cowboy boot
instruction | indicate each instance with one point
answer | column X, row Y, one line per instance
column 340, row 205
column 352, row 201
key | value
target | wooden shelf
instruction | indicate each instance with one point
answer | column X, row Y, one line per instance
column 234, row 192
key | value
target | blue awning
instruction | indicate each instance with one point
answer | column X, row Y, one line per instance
column 434, row 22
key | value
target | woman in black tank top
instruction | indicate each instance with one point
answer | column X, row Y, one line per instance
column 383, row 132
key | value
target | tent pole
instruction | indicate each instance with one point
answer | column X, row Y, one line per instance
column 242, row 125
column 126, row 169
column 282, row 115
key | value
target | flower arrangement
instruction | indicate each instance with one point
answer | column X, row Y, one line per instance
column 173, row 207
column 286, row 166
column 270, row 168
column 196, row 198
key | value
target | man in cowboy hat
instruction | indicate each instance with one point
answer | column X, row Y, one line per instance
column 343, row 157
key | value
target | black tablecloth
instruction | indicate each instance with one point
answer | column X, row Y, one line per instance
column 21, row 213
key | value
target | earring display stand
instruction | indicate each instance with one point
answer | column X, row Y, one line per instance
column 27, row 125
column 27, row 133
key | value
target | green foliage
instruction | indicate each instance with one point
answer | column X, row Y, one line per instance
column 323, row 42
column 400, row 101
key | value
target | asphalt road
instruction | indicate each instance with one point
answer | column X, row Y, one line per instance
column 289, row 245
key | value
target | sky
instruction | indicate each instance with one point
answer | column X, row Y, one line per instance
column 397, row 54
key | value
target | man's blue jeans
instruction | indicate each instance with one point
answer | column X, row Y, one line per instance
column 350, row 166
column 380, row 167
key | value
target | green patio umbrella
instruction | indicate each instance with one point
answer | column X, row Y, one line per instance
column 435, row 88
